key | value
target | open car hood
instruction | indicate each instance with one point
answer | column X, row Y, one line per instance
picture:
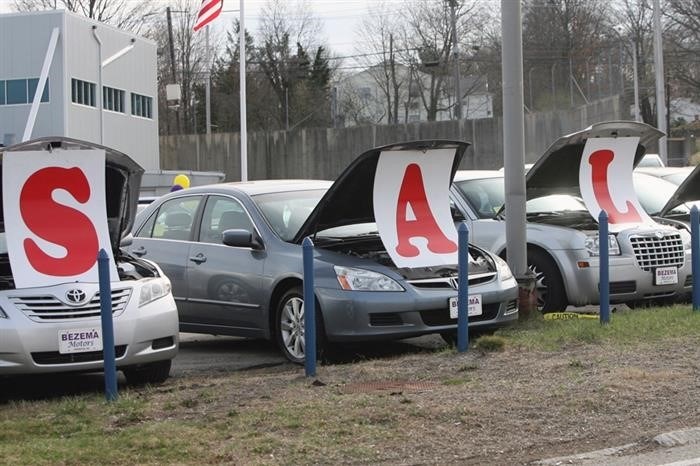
column 122, row 181
column 687, row 191
column 557, row 170
column 349, row 200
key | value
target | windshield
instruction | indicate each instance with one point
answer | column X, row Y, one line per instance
column 286, row 212
column 486, row 195
column 654, row 193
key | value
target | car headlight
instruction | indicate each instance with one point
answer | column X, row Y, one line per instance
column 153, row 289
column 364, row 280
column 503, row 269
column 686, row 238
column 593, row 246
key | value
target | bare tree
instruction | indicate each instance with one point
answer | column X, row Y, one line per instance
column 684, row 44
column 123, row 14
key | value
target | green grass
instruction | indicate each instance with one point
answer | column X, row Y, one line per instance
column 204, row 424
column 625, row 328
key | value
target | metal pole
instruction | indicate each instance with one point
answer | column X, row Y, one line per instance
column 463, row 288
column 554, row 87
column 207, row 87
column 173, row 72
column 309, row 309
column 637, row 116
column 110, row 366
column 660, row 86
column 514, row 149
column 604, row 272
column 455, row 54
column 529, row 85
column 244, row 124
column 571, row 84
column 695, row 255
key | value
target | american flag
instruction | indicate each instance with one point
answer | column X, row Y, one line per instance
column 208, row 12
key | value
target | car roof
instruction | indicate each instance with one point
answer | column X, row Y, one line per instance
column 264, row 186
column 463, row 175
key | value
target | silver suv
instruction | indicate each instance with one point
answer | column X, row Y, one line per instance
column 562, row 243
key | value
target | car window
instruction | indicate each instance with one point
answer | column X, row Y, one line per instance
column 286, row 212
column 486, row 195
column 555, row 203
column 172, row 220
column 221, row 214
column 653, row 193
column 651, row 160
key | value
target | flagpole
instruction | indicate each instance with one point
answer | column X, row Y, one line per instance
column 244, row 129
column 207, row 88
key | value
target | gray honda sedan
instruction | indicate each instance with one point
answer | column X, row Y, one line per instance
column 233, row 254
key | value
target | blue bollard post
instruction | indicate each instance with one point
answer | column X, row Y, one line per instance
column 110, row 366
column 463, row 288
column 603, row 247
column 309, row 309
column 695, row 254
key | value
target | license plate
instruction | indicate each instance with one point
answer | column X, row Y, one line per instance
column 79, row 340
column 474, row 308
column 666, row 276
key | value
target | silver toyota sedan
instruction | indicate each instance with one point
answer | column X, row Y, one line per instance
column 233, row 254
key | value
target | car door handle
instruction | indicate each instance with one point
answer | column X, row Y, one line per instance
column 199, row 258
column 139, row 252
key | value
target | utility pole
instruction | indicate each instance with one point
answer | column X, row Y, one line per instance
column 659, row 78
column 207, row 88
column 455, row 54
column 172, row 63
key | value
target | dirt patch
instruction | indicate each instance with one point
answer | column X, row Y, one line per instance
column 507, row 407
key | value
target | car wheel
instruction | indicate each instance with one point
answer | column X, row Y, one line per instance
column 549, row 286
column 290, row 327
column 151, row 373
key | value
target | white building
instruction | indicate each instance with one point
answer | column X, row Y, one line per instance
column 101, row 83
column 363, row 101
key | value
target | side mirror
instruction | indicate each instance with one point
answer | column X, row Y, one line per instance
column 241, row 239
column 457, row 215
column 127, row 241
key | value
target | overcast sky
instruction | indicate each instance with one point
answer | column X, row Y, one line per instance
column 341, row 18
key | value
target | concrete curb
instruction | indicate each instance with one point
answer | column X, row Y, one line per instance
column 667, row 440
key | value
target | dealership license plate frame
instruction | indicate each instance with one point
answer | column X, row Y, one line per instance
column 79, row 345
column 662, row 277
column 474, row 309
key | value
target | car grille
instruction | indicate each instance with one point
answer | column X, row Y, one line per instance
column 622, row 287
column 50, row 308
column 54, row 357
column 438, row 317
column 451, row 282
column 652, row 252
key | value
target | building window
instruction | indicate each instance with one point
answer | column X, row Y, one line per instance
column 82, row 92
column 141, row 105
column 113, row 99
column 21, row 91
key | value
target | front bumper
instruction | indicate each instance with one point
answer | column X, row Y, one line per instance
column 141, row 335
column 628, row 281
column 357, row 315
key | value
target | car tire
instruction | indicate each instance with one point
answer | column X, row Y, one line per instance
column 549, row 286
column 151, row 373
column 289, row 327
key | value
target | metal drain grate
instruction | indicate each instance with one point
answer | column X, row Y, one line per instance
column 388, row 385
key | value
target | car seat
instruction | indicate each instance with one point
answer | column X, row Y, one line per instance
column 177, row 226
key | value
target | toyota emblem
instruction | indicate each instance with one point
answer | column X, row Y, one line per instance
column 75, row 296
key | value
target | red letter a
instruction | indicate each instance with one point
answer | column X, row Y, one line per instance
column 413, row 192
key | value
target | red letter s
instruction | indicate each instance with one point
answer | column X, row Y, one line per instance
column 57, row 223
column 413, row 192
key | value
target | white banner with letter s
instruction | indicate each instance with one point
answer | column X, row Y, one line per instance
column 55, row 216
